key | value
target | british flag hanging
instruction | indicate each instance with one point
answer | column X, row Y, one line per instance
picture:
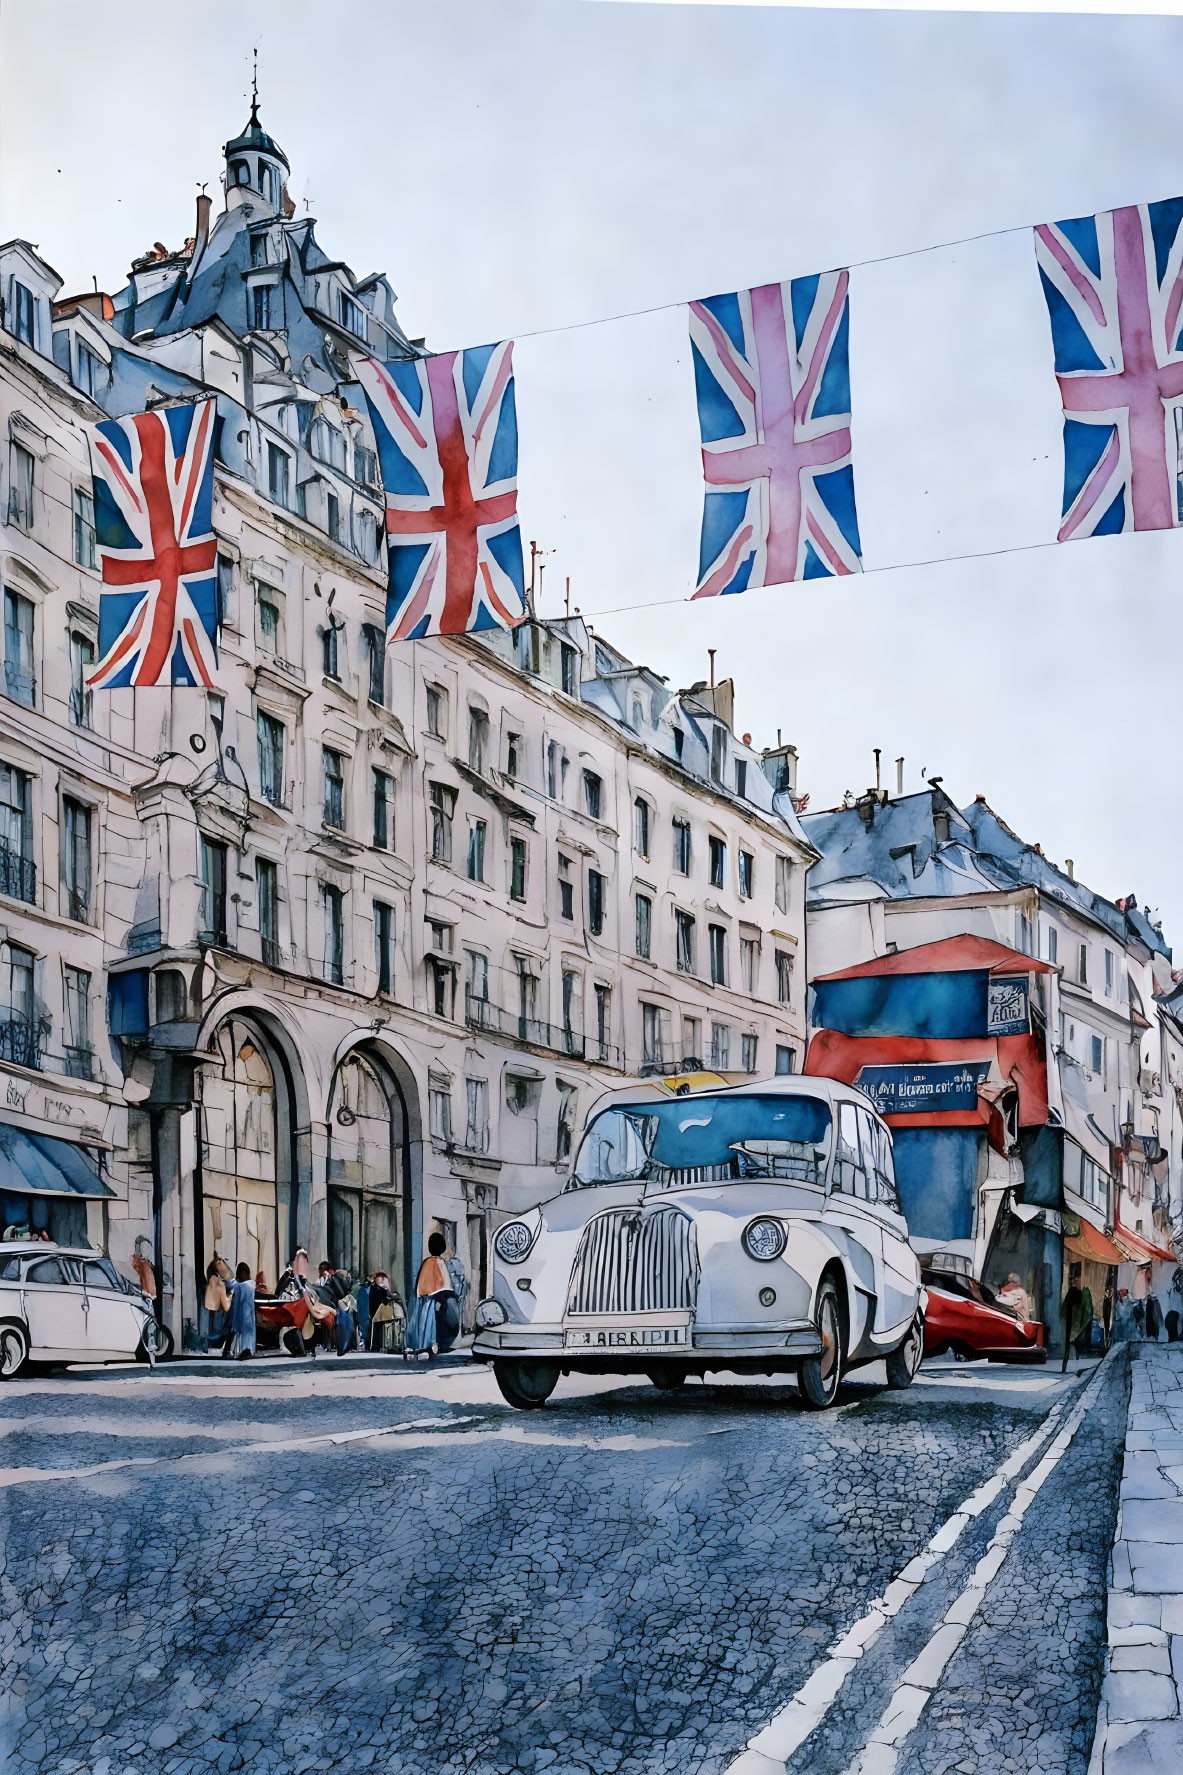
column 1114, row 289
column 772, row 376
column 153, row 505
column 447, row 435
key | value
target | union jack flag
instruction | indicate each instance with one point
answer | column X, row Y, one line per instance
column 772, row 376
column 153, row 503
column 1114, row 289
column 447, row 434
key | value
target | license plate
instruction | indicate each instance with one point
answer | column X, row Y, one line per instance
column 629, row 1337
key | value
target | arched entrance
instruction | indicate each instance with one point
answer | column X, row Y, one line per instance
column 369, row 1170
column 247, row 1151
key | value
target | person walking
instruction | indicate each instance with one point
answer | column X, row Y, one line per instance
column 1153, row 1318
column 242, row 1315
column 1071, row 1310
column 433, row 1287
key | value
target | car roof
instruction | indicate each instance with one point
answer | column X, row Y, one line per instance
column 707, row 1084
column 45, row 1248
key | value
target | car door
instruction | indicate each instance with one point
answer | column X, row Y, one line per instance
column 901, row 1271
column 847, row 1206
column 53, row 1309
column 113, row 1326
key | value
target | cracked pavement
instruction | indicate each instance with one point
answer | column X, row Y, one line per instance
column 627, row 1581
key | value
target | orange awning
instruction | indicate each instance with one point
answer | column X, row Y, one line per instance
column 1136, row 1249
column 1093, row 1246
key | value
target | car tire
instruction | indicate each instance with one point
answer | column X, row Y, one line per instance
column 903, row 1363
column 526, row 1385
column 14, row 1351
column 820, row 1376
column 667, row 1380
column 162, row 1347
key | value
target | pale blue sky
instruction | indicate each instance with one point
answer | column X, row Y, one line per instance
column 516, row 166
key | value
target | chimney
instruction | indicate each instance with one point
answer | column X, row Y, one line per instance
column 201, row 236
column 865, row 807
column 877, row 777
column 1070, row 866
column 899, row 776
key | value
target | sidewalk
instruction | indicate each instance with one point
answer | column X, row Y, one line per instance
column 1139, row 1730
column 355, row 1362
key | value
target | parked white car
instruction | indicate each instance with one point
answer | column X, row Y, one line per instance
column 59, row 1305
column 752, row 1227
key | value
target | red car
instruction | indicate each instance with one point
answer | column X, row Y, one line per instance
column 965, row 1318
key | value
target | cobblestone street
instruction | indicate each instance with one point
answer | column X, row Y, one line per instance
column 287, row 1568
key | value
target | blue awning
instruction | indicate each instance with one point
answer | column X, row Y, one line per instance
column 39, row 1165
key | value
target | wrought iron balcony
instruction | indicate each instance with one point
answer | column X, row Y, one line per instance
column 18, row 874
column 20, row 1040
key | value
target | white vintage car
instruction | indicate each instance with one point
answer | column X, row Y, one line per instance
column 59, row 1305
column 752, row 1227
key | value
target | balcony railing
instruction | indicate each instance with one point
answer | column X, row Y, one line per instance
column 20, row 1040
column 483, row 1014
column 79, row 1062
column 18, row 874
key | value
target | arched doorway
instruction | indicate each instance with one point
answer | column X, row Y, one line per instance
column 369, row 1171
column 247, row 1162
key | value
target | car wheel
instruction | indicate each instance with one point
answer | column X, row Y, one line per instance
column 904, row 1361
column 14, row 1351
column 667, row 1380
column 156, row 1342
column 819, row 1376
column 526, row 1385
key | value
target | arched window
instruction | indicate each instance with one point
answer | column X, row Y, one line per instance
column 240, row 173
column 245, row 1158
column 368, row 1173
column 269, row 183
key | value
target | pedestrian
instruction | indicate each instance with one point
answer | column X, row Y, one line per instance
column 1107, row 1308
column 1172, row 1327
column 1013, row 1294
column 141, row 1264
column 1153, row 1318
column 345, row 1310
column 1071, row 1311
column 216, row 1302
column 242, row 1315
column 1084, row 1321
column 386, row 1309
column 433, row 1287
column 1139, row 1312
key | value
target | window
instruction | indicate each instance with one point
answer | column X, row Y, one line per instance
column 383, row 811
column 691, row 1042
column 684, row 941
column 352, row 315
column 172, row 995
column 375, row 640
column 334, row 788
column 566, row 1127
column 476, row 1099
column 641, row 826
column 81, row 661
column 566, row 889
column 20, row 488
column 1053, row 944
column 18, row 872
column 279, row 468
column 437, row 712
column 439, row 1109
column 443, row 806
column 1082, row 970
column 741, row 789
column 572, row 1012
column 556, row 770
column 326, row 442
column 569, row 673
column 269, row 184
column 593, row 794
column 478, row 740
column 718, row 753
column 718, row 861
column 747, row 867
column 270, row 622
column 79, row 1052
column 720, row 1047
column 270, row 741
column 1096, row 1053
column 476, row 987
column 1094, row 1184
column 18, row 648
column 1110, row 972
column 644, row 926
column 23, row 313
column 328, row 650
column 526, row 642
column 747, row 1044
column 76, row 864
column 682, row 847
column 603, row 1020
column 367, row 534
column 679, row 742
column 784, row 977
column 334, row 901
column 1024, row 934
column 595, row 902
column 718, row 942
column 477, row 831
column 213, row 891
column 441, row 979
column 652, row 1047
column 749, row 963
column 259, row 245
column 84, row 550
column 784, row 1059
column 262, row 320
column 217, row 715
column 267, row 893
column 850, row 1175
column 517, row 868
column 527, row 998
column 225, row 585
column 513, row 754
column 333, row 526
column 365, row 466
column 784, row 869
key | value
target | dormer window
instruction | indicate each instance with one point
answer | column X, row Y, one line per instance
column 23, row 313
column 86, row 369
column 240, row 173
column 269, row 184
column 352, row 315
column 262, row 316
column 260, row 251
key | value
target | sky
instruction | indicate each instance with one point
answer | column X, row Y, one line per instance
column 523, row 165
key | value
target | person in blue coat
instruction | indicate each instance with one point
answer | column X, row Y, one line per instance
column 242, row 1314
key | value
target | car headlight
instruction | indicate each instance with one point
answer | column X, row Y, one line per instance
column 512, row 1244
column 764, row 1239
column 489, row 1314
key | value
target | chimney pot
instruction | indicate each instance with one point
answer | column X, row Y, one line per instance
column 1070, row 866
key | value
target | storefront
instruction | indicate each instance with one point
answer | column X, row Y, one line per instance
column 1091, row 1259
column 51, row 1188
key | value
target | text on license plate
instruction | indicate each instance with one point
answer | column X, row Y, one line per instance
column 629, row 1337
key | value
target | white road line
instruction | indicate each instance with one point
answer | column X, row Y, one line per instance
column 882, row 1750
column 767, row 1752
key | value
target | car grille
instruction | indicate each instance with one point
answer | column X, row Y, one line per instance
column 629, row 1262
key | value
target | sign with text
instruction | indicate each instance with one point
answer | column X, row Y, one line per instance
column 919, row 1090
column 1007, row 1010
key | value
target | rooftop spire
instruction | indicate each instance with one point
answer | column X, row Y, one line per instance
column 254, row 122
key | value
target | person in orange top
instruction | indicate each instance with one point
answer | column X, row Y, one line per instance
column 434, row 1296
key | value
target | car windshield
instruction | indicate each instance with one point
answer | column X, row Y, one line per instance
column 706, row 1140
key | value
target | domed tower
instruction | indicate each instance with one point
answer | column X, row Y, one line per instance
column 257, row 165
